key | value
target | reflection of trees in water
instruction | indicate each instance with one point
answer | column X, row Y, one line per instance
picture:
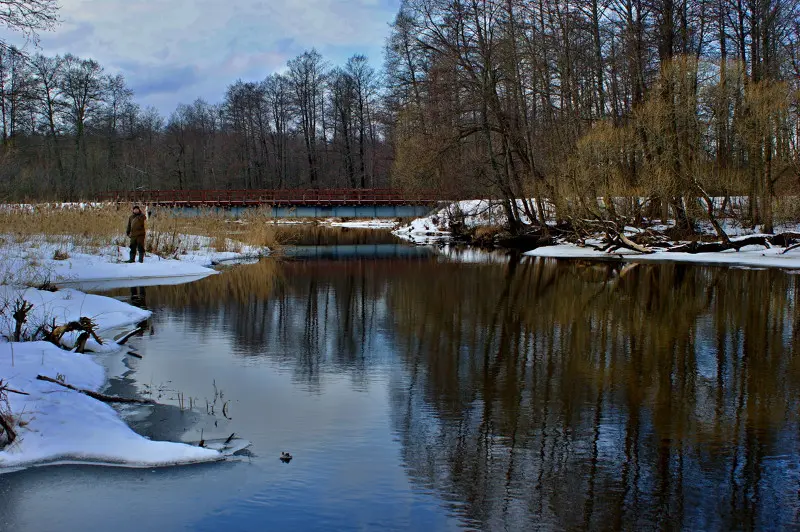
column 576, row 395
column 582, row 396
column 304, row 315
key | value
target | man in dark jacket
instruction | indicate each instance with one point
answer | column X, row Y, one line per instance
column 137, row 232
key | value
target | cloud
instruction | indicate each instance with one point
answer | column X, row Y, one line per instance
column 146, row 80
column 176, row 51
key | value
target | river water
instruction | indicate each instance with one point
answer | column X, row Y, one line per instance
column 428, row 390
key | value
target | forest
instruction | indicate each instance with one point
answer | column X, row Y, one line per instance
column 69, row 130
column 583, row 110
column 654, row 107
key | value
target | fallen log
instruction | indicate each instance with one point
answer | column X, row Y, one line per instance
column 95, row 395
column 789, row 239
column 633, row 245
column 127, row 336
column 781, row 240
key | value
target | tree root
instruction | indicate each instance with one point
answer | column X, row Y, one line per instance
column 85, row 325
column 7, row 427
column 6, row 421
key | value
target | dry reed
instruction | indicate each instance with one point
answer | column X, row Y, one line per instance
column 97, row 226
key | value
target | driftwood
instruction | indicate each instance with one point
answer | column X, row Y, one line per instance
column 649, row 241
column 85, row 325
column 127, row 336
column 621, row 240
column 95, row 395
column 781, row 240
column 616, row 239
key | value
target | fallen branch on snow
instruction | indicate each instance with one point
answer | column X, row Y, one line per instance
column 649, row 241
column 782, row 239
column 127, row 336
column 95, row 395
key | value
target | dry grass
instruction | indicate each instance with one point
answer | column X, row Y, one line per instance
column 787, row 210
column 95, row 227
column 485, row 235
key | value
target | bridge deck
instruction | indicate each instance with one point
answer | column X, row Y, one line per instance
column 287, row 197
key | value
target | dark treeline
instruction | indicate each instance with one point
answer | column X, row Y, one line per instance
column 69, row 129
column 669, row 100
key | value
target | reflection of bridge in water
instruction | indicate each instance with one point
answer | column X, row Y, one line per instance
column 289, row 203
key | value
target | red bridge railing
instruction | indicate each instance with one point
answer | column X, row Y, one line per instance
column 284, row 197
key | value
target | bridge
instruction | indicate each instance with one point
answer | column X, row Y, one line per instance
column 283, row 203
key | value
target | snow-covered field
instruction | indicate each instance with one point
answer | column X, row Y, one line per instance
column 61, row 261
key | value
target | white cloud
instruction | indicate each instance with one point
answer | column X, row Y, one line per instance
column 210, row 43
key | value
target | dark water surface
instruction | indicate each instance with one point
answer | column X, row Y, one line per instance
column 416, row 391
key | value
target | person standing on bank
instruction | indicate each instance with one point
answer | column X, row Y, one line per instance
column 137, row 232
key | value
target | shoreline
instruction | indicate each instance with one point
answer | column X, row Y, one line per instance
column 54, row 425
column 477, row 227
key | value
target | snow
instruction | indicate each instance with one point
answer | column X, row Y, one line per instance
column 62, row 425
column 472, row 213
column 67, row 305
column 376, row 223
column 57, row 425
column 571, row 251
column 749, row 256
column 437, row 229
column 33, row 262
column 427, row 230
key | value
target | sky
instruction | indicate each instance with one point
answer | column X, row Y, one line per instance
column 175, row 51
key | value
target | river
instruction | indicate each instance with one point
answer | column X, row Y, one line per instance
column 430, row 390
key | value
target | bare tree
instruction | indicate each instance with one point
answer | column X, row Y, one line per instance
column 307, row 74
column 29, row 16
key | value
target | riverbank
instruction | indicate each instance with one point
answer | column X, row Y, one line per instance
column 40, row 260
column 53, row 424
column 479, row 223
column 48, row 422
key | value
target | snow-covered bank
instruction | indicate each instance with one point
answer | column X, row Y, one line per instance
column 38, row 260
column 463, row 216
column 376, row 223
column 467, row 214
column 57, row 425
column 62, row 425
column 751, row 257
column 63, row 306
